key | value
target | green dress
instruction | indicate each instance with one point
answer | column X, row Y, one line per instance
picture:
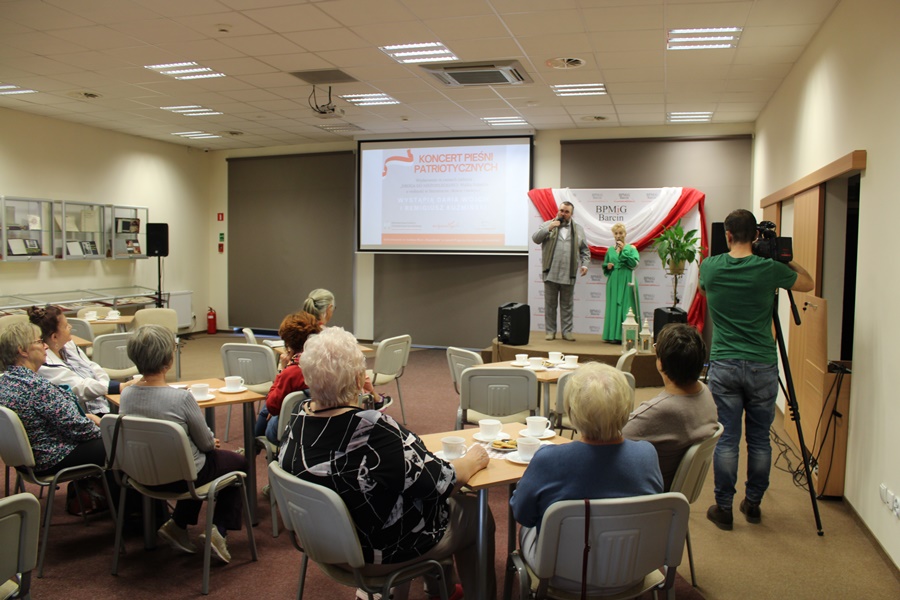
column 620, row 296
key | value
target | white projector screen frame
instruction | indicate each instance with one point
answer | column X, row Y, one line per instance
column 444, row 195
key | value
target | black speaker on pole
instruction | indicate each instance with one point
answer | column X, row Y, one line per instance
column 513, row 324
column 719, row 245
column 664, row 316
column 157, row 239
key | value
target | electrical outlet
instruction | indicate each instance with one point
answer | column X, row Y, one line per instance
column 896, row 506
column 882, row 491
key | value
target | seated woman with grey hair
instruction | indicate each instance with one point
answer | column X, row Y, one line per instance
column 602, row 464
column 320, row 304
column 403, row 499
column 152, row 350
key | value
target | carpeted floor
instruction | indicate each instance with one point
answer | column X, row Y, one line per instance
column 781, row 558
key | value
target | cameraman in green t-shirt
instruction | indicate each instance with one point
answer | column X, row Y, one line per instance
column 743, row 371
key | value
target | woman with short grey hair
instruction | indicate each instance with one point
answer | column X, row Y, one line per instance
column 152, row 350
column 320, row 304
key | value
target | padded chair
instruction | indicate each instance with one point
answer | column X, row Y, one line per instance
column 111, row 353
column 98, row 328
column 7, row 320
column 153, row 452
column 391, row 357
column 168, row 318
column 558, row 415
column 288, row 408
column 459, row 360
column 323, row 530
column 624, row 362
column 636, row 545
column 504, row 393
column 15, row 451
column 255, row 363
column 690, row 476
column 20, row 526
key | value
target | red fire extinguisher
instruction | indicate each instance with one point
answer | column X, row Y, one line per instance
column 211, row 321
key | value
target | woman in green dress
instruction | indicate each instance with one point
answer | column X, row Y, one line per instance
column 621, row 287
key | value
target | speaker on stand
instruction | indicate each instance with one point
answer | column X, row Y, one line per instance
column 158, row 246
column 513, row 324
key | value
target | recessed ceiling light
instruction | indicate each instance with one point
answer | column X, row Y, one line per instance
column 346, row 128
column 689, row 117
column 185, row 70
column 579, row 89
column 191, row 110
column 196, row 135
column 504, row 121
column 8, row 89
column 593, row 118
column 369, row 99
column 419, row 53
column 710, row 38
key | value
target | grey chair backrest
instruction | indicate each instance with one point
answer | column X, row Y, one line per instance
column 7, row 320
column 150, row 451
column 81, row 328
column 459, row 360
column 249, row 337
column 629, row 538
column 102, row 311
column 254, row 362
column 624, row 362
column 498, row 391
column 318, row 517
column 110, row 350
column 288, row 406
column 694, row 466
column 19, row 528
column 167, row 317
column 392, row 355
column 15, row 449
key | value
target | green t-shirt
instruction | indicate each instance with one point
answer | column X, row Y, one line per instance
column 740, row 293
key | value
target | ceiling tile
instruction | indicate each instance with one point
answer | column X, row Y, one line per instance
column 41, row 43
column 297, row 62
column 263, row 45
column 362, row 12
column 41, row 15
column 429, row 9
column 292, row 18
column 721, row 14
column 624, row 18
column 327, row 39
column 179, row 8
column 537, row 23
column 97, row 37
column 157, row 31
column 620, row 41
column 790, row 35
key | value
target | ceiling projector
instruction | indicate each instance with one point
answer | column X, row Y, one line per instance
column 329, row 112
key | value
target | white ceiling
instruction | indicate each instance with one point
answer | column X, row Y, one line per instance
column 65, row 47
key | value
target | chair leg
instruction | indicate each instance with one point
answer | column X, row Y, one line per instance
column 228, row 427
column 691, row 557
column 48, row 512
column 400, row 397
column 248, row 522
column 207, row 543
column 119, row 546
column 303, row 564
column 178, row 361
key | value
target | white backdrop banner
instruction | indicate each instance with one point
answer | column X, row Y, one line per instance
column 644, row 213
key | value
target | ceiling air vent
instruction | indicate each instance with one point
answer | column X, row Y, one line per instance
column 498, row 72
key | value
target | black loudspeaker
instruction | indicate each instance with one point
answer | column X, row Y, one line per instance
column 664, row 316
column 513, row 324
column 157, row 239
column 718, row 244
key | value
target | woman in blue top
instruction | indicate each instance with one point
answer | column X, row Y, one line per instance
column 602, row 464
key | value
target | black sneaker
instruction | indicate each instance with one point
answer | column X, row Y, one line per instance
column 751, row 511
column 722, row 517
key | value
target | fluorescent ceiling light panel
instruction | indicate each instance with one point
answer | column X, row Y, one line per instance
column 579, row 89
column 191, row 110
column 689, row 117
column 369, row 99
column 504, row 121
column 185, row 70
column 710, row 38
column 196, row 135
column 419, row 53
column 8, row 89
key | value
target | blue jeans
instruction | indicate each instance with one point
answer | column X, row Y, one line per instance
column 266, row 426
column 743, row 387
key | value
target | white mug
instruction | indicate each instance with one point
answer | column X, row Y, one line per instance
column 537, row 426
column 113, row 314
column 454, row 447
column 556, row 357
column 490, row 428
column 536, row 361
column 571, row 359
column 90, row 315
column 200, row 391
column 527, row 447
column 234, row 382
column 138, row 377
column 521, row 358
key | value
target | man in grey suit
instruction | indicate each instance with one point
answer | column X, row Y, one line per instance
column 564, row 253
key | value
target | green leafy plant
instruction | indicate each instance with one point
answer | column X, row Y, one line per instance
column 675, row 248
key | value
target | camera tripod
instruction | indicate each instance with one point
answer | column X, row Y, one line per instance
column 792, row 402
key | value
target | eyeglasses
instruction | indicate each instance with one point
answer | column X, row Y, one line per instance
column 38, row 341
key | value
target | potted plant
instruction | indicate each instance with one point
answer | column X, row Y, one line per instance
column 676, row 247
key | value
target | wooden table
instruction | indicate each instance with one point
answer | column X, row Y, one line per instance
column 498, row 472
column 81, row 342
column 245, row 398
column 121, row 323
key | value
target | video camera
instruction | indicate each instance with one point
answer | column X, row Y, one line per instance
column 769, row 245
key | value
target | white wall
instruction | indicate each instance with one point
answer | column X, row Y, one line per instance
column 47, row 158
column 842, row 96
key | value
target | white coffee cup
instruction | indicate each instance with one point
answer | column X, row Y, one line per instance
column 527, row 447
column 490, row 428
column 537, row 426
column 453, row 446
column 138, row 377
column 234, row 383
column 200, row 391
column 556, row 357
column 113, row 314
column 536, row 361
column 521, row 358
column 571, row 359
column 90, row 315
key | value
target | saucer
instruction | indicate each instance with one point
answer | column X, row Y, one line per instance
column 514, row 458
column 208, row 397
column 536, row 369
column 225, row 390
column 567, row 366
column 482, row 438
column 440, row 455
column 518, row 364
column 546, row 436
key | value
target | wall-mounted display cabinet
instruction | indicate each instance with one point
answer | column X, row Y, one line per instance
column 83, row 230
column 27, row 228
column 129, row 232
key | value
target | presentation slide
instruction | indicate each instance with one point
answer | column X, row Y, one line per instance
column 445, row 195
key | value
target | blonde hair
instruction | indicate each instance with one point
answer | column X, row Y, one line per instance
column 16, row 337
column 618, row 226
column 598, row 400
